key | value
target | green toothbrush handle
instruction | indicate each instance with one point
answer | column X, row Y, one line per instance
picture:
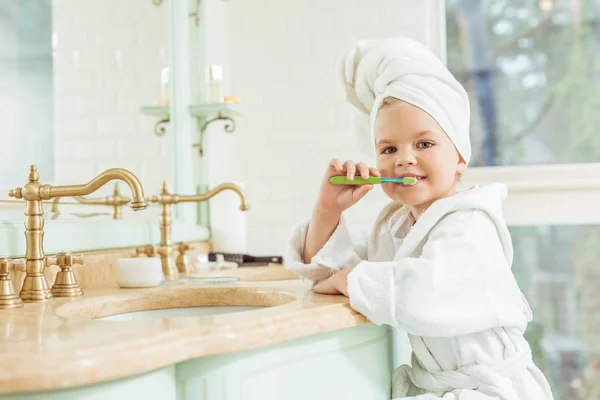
column 343, row 180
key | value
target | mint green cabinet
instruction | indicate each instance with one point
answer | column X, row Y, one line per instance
column 353, row 363
column 159, row 384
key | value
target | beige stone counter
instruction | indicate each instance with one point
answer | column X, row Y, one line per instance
column 58, row 344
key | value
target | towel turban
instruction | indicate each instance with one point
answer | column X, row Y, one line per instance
column 404, row 69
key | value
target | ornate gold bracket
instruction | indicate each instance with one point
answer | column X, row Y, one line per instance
column 229, row 127
column 159, row 129
column 195, row 14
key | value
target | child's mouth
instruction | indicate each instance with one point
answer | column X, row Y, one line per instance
column 418, row 178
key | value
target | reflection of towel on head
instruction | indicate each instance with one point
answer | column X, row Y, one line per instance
column 403, row 68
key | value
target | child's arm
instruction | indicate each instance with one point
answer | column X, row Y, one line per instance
column 339, row 251
column 320, row 228
column 333, row 200
column 462, row 282
column 308, row 255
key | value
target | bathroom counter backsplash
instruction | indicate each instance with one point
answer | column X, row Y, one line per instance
column 98, row 269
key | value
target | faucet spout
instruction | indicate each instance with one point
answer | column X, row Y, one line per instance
column 137, row 203
column 217, row 189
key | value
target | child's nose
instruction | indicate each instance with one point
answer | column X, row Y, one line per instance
column 405, row 157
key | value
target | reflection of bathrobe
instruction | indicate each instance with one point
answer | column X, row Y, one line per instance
column 447, row 282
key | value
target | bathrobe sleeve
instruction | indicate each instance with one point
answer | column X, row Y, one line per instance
column 462, row 282
column 339, row 252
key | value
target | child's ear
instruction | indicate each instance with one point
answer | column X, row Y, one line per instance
column 461, row 167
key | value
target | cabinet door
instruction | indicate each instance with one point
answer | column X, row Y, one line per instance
column 353, row 363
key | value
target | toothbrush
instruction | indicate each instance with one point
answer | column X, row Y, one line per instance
column 343, row 180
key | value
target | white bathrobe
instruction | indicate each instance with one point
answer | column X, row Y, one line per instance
column 446, row 281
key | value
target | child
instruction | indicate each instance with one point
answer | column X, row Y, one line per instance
column 438, row 262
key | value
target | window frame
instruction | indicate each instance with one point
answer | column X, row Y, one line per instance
column 554, row 194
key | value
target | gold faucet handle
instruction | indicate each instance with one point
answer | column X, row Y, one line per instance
column 50, row 260
column 65, row 284
column 116, row 198
column 8, row 296
column 64, row 260
column 67, row 260
column 16, row 193
column 5, row 267
column 183, row 247
column 151, row 251
column 165, row 198
column 148, row 251
column 182, row 262
column 8, row 265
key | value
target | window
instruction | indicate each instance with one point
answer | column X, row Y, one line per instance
column 532, row 71
column 557, row 269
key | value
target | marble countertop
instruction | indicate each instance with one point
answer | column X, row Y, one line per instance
column 58, row 344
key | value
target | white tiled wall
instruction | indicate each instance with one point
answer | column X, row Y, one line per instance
column 107, row 61
column 228, row 223
column 278, row 57
column 281, row 60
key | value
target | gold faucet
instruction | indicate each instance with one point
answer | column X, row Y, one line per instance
column 172, row 269
column 35, row 286
column 116, row 201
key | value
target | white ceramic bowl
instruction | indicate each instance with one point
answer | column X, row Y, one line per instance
column 139, row 272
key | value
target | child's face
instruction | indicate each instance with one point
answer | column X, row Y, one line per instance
column 409, row 141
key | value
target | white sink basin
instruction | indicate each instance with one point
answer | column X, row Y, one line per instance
column 178, row 312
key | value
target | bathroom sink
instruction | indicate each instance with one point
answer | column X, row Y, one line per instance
column 178, row 312
column 173, row 301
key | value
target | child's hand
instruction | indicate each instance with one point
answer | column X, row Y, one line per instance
column 335, row 284
column 337, row 198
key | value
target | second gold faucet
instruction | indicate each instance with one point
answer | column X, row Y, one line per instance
column 171, row 268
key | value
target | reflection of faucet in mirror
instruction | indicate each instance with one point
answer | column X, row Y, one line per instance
column 116, row 201
column 35, row 286
column 171, row 269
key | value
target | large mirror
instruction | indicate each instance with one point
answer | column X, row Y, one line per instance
column 74, row 75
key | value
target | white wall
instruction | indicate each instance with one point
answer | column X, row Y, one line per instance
column 228, row 223
column 107, row 64
column 281, row 62
column 278, row 57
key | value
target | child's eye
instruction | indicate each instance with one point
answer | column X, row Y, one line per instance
column 389, row 150
column 424, row 145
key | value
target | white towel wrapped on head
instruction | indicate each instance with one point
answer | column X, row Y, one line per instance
column 405, row 69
